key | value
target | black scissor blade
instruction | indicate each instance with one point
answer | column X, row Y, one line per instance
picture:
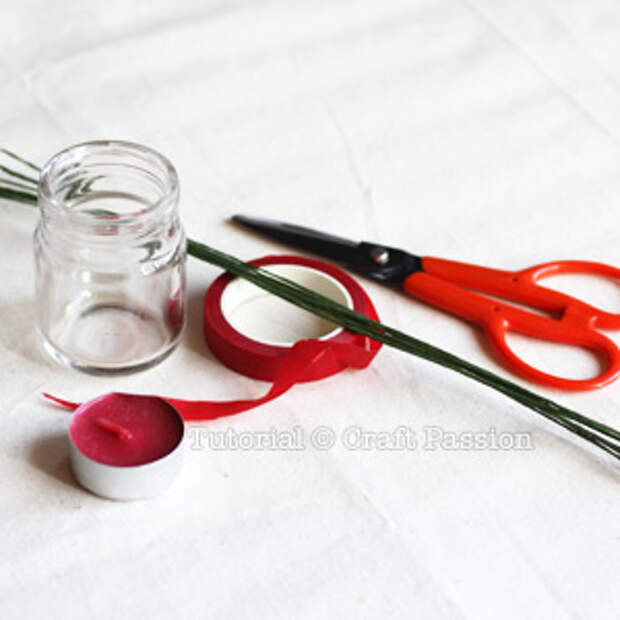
column 330, row 246
column 369, row 259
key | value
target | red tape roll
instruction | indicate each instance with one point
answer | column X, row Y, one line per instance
column 264, row 361
column 284, row 366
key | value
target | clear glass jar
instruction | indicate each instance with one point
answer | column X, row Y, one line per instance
column 110, row 257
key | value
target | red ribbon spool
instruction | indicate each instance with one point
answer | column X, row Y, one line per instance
column 259, row 360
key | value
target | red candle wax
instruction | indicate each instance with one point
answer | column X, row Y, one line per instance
column 126, row 430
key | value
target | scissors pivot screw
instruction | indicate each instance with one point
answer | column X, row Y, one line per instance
column 380, row 255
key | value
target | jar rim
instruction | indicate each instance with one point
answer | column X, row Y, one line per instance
column 167, row 173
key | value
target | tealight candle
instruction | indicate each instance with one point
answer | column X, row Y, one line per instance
column 126, row 446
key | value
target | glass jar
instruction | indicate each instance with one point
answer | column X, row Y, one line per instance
column 110, row 257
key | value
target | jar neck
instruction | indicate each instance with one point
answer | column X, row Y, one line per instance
column 101, row 226
column 104, row 192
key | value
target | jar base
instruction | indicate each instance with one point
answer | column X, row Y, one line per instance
column 94, row 369
column 110, row 339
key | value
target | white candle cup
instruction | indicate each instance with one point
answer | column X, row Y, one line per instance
column 126, row 482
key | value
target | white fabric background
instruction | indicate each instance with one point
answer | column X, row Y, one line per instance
column 482, row 130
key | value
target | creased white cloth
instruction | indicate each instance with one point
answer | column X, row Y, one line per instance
column 486, row 131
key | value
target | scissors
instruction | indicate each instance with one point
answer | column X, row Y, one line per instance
column 450, row 285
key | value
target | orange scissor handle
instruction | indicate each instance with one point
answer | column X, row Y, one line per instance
column 443, row 283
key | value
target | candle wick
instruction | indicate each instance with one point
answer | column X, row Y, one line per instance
column 120, row 431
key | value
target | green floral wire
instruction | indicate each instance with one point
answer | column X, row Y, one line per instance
column 597, row 433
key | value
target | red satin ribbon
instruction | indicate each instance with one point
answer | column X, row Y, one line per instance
column 303, row 355
column 306, row 360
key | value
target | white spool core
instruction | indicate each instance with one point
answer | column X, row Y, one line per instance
column 263, row 317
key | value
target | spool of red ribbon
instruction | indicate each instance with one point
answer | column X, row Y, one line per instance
column 241, row 332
